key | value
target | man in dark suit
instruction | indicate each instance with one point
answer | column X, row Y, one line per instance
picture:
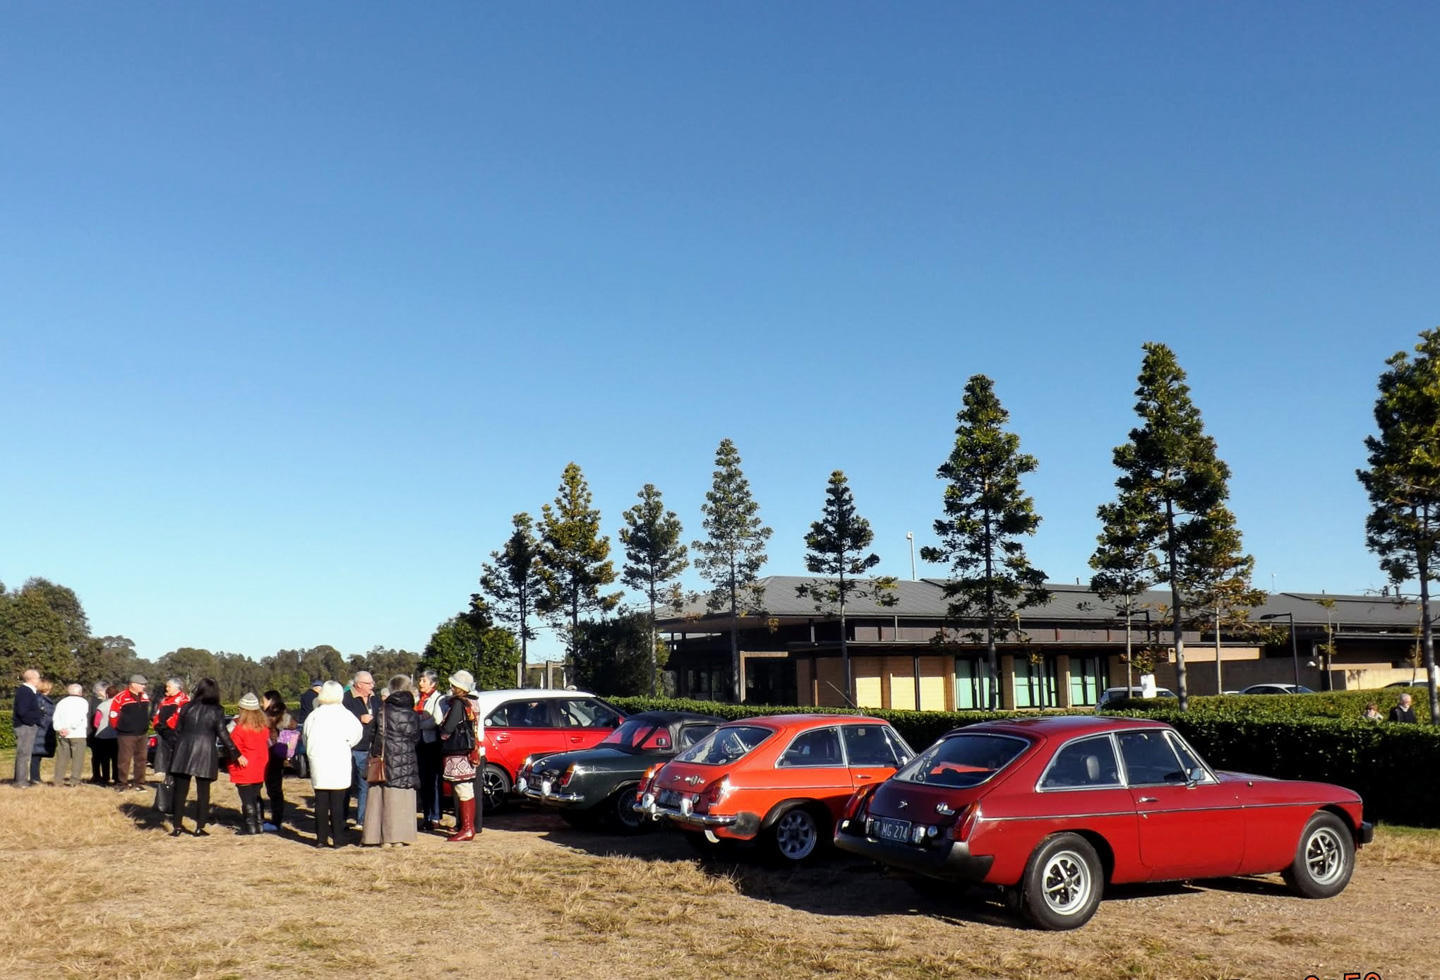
column 27, row 717
column 1404, row 711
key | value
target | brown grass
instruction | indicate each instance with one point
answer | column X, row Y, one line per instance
column 94, row 887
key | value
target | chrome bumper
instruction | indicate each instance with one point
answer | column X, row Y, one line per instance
column 683, row 817
column 544, row 794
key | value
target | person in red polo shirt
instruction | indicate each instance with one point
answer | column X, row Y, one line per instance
column 130, row 717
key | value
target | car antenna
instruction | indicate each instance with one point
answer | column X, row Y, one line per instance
column 848, row 702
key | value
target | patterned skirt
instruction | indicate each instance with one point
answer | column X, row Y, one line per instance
column 459, row 769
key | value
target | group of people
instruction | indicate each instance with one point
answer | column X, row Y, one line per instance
column 1403, row 712
column 398, row 754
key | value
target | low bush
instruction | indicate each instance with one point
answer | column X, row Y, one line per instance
column 1331, row 704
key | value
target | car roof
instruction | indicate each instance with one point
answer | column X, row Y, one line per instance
column 1057, row 726
column 799, row 721
column 673, row 717
column 492, row 699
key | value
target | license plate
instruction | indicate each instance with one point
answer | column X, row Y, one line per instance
column 669, row 798
column 888, row 829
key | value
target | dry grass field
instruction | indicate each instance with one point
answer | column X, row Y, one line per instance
column 95, row 888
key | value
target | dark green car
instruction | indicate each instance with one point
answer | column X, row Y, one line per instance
column 595, row 787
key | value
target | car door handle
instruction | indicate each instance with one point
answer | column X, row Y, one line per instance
column 863, row 775
column 502, row 738
column 1148, row 799
column 576, row 739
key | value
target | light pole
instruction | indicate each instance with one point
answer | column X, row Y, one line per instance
column 910, row 536
column 1294, row 652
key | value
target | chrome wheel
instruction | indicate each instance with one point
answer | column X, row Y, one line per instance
column 1324, row 855
column 796, row 835
column 1066, row 883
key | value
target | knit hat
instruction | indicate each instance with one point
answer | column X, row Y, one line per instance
column 250, row 702
column 463, row 679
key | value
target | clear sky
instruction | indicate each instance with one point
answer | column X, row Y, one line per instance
column 299, row 303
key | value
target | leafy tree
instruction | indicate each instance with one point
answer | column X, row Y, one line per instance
column 470, row 641
column 574, row 558
column 615, row 657
column 512, row 582
column 109, row 658
column 986, row 515
column 385, row 663
column 1124, row 566
column 190, row 664
column 66, row 605
column 1403, row 481
column 654, row 558
column 1171, row 469
column 34, row 635
column 836, row 545
column 1217, row 581
column 733, row 551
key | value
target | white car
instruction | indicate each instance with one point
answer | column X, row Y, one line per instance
column 1277, row 689
column 1121, row 693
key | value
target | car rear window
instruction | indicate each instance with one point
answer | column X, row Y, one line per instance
column 962, row 760
column 725, row 745
column 634, row 734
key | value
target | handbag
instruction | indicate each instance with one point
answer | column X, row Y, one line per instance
column 375, row 764
column 461, row 741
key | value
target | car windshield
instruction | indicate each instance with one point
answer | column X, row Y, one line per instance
column 962, row 760
column 632, row 734
column 725, row 745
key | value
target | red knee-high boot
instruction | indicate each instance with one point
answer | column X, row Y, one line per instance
column 467, row 820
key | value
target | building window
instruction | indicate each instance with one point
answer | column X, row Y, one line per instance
column 1035, row 683
column 1087, row 679
column 972, row 684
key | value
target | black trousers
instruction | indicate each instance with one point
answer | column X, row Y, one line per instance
column 428, row 795
column 275, row 787
column 103, row 760
column 329, row 815
column 202, row 799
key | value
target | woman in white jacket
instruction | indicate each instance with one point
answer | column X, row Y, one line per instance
column 331, row 731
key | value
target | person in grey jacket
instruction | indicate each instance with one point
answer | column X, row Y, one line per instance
column 390, row 817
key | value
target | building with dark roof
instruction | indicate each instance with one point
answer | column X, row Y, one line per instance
column 1073, row 648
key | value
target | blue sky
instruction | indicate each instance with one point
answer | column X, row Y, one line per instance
column 300, row 303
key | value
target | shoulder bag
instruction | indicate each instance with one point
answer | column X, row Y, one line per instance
column 375, row 764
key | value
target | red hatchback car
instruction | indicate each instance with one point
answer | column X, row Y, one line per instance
column 782, row 780
column 1052, row 809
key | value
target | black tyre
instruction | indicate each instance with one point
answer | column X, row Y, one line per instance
column 1063, row 883
column 1324, row 858
column 797, row 835
column 496, row 789
column 620, row 812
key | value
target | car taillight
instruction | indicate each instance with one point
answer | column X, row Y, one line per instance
column 570, row 770
column 648, row 779
column 964, row 824
column 859, row 803
column 716, row 792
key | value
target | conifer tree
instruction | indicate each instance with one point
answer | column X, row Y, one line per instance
column 654, row 558
column 1171, row 470
column 836, row 545
column 513, row 583
column 733, row 552
column 1403, row 482
column 1125, row 568
column 987, row 513
column 1217, row 581
column 574, row 558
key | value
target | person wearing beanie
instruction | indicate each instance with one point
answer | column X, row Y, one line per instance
column 251, row 734
column 460, row 736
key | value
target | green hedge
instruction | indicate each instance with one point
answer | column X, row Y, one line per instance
column 1333, row 704
column 1318, row 737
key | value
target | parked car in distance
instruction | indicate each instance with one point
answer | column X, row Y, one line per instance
column 1276, row 689
column 1055, row 809
column 1420, row 683
column 1122, row 693
column 535, row 721
column 781, row 780
column 596, row 786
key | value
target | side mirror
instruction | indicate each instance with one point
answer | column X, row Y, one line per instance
column 1196, row 775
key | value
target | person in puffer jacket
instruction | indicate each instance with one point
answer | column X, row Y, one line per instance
column 390, row 811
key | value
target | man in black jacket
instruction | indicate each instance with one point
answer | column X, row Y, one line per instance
column 365, row 705
column 27, row 717
column 1404, row 711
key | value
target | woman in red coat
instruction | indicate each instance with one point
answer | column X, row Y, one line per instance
column 251, row 736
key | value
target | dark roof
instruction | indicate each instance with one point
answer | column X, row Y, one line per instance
column 1077, row 604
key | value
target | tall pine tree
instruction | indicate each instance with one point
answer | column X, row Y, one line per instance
column 835, row 549
column 1170, row 468
column 733, row 552
column 513, row 584
column 654, row 558
column 1403, row 482
column 574, row 558
column 986, row 516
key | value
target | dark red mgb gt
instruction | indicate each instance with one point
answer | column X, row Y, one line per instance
column 1052, row 809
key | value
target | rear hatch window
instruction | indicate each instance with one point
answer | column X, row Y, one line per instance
column 725, row 745
column 962, row 760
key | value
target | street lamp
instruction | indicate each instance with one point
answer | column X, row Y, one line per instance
column 910, row 536
column 1294, row 653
